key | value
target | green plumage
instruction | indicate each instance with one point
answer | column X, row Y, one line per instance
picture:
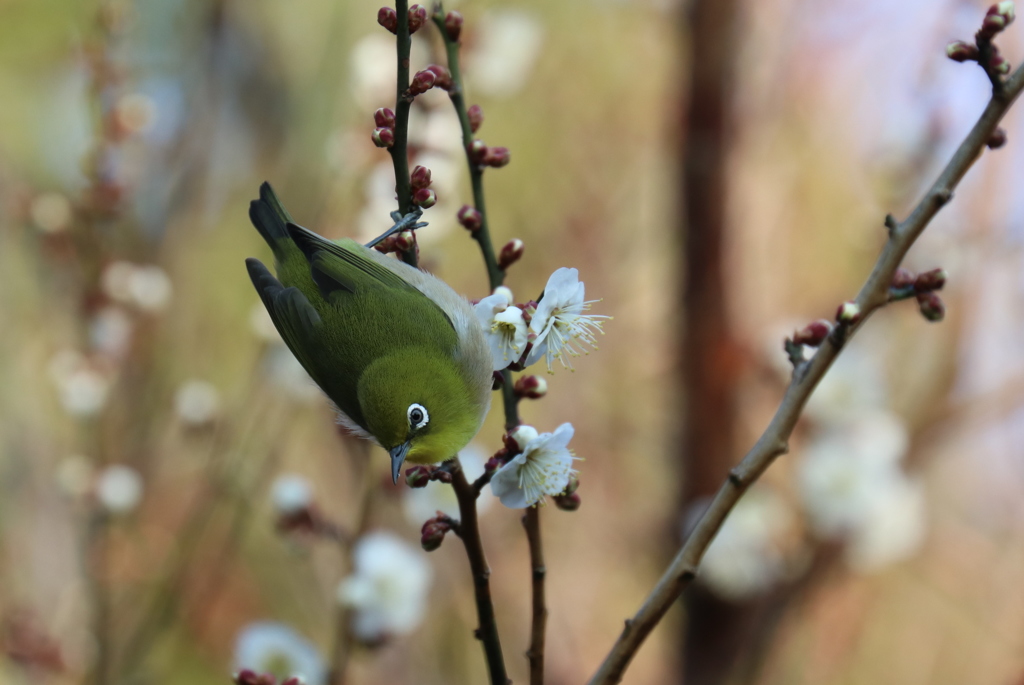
column 376, row 335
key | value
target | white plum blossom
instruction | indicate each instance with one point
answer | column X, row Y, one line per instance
column 291, row 493
column 83, row 387
column 119, row 488
column 387, row 590
column 560, row 324
column 853, row 488
column 507, row 47
column 504, row 327
column 420, row 504
column 51, row 212
column 543, row 468
column 750, row 554
column 110, row 331
column 150, row 288
column 197, row 402
column 268, row 647
column 286, row 373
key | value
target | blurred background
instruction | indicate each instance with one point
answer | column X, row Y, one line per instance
column 718, row 170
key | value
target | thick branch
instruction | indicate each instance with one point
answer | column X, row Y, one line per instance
column 469, row 531
column 403, row 103
column 774, row 441
column 538, row 627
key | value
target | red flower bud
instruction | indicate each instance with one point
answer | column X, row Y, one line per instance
column 814, row 333
column 930, row 280
column 422, row 82
column 902, row 279
column 931, row 306
column 245, row 677
column 420, row 177
column 510, row 254
column 476, row 117
column 442, row 77
column 470, row 218
column 496, row 156
column 567, row 502
column 993, row 24
column 532, row 387
column 405, row 241
column 477, row 150
column 294, row 680
column 997, row 139
column 453, row 25
column 433, row 532
column 999, row 65
column 383, row 137
column 961, row 51
column 425, row 198
column 417, row 476
column 848, row 313
column 384, row 118
column 388, row 18
column 417, row 18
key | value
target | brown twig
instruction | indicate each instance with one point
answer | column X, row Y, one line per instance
column 469, row 531
column 774, row 441
column 538, row 627
column 403, row 104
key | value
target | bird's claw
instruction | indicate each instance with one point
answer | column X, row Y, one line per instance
column 402, row 223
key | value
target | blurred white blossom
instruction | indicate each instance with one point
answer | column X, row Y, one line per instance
column 51, row 212
column 286, row 373
column 82, row 386
column 853, row 488
column 504, row 327
column 751, row 553
column 119, row 488
column 110, row 331
column 150, row 288
column 543, row 467
column 197, row 402
column 559, row 325
column 420, row 504
column 135, row 113
column 372, row 69
column 269, row 647
column 507, row 46
column 855, row 384
column 116, row 281
column 291, row 493
column 387, row 590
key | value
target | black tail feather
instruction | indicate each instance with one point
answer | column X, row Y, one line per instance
column 271, row 219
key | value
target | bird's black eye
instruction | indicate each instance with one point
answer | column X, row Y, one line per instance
column 418, row 416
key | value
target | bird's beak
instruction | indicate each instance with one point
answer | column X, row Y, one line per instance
column 397, row 459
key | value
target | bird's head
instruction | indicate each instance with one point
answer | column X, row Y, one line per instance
column 419, row 406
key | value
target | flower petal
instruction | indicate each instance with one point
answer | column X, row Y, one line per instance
column 505, row 486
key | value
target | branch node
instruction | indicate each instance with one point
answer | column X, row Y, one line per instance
column 891, row 225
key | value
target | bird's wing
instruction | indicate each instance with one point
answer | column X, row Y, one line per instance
column 294, row 316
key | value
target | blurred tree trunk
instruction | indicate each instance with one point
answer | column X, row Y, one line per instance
column 715, row 631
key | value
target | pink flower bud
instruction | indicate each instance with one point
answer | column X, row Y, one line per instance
column 848, row 313
column 405, row 241
column 568, row 502
column 931, row 306
column 476, row 117
column 420, row 177
column 417, row 18
column 384, row 118
column 422, row 82
column 814, row 333
column 531, row 387
column 999, row 65
column 470, row 218
column 497, row 156
column 433, row 532
column 453, row 25
column 388, row 18
column 477, row 150
column 961, row 51
column 902, row 279
column 294, row 680
column 417, row 476
column 386, row 246
column 383, row 137
column 930, row 280
column 245, row 677
column 425, row 198
column 993, row 24
column 442, row 77
column 510, row 254
column 997, row 139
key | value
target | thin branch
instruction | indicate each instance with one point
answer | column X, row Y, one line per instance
column 403, row 104
column 469, row 532
column 774, row 441
column 538, row 627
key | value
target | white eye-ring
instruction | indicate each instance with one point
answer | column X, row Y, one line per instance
column 418, row 416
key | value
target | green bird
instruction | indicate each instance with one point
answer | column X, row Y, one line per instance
column 399, row 353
